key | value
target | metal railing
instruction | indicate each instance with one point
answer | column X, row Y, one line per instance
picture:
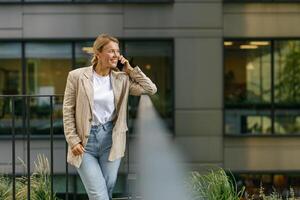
column 10, row 105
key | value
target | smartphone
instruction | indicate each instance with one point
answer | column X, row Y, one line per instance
column 120, row 65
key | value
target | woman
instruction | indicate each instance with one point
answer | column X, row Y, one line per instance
column 94, row 115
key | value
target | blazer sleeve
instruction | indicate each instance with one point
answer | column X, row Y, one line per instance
column 140, row 83
column 69, row 105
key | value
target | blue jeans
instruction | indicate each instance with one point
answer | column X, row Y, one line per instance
column 97, row 173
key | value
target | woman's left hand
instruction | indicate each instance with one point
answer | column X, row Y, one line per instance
column 127, row 67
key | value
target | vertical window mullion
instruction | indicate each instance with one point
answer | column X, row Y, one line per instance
column 23, row 64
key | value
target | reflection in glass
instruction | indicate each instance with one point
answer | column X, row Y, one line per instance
column 40, row 115
column 248, row 122
column 247, row 80
column 154, row 58
column 10, row 68
column 6, row 112
column 287, row 121
column 287, row 72
column 47, row 66
column 10, row 84
column 83, row 54
column 247, row 72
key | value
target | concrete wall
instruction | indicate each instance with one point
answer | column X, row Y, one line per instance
column 262, row 154
column 262, row 20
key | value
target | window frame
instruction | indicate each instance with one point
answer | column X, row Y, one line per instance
column 73, row 42
column 273, row 107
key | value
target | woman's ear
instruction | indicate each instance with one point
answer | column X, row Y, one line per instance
column 97, row 56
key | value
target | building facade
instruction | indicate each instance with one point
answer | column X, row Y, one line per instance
column 227, row 74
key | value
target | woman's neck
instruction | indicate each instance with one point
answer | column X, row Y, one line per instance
column 101, row 70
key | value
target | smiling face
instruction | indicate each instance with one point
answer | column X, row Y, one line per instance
column 109, row 55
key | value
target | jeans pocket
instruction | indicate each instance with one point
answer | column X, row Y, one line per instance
column 90, row 145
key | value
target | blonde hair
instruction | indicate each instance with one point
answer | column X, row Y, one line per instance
column 100, row 42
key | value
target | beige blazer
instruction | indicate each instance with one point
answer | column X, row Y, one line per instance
column 78, row 106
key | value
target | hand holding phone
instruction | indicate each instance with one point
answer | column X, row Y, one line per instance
column 120, row 66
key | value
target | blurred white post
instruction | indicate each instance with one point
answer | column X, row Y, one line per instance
column 160, row 168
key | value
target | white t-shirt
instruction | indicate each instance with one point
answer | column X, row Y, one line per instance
column 104, row 107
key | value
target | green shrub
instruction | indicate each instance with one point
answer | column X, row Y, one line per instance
column 215, row 185
column 5, row 188
column 40, row 183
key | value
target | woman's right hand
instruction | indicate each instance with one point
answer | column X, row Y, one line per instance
column 78, row 149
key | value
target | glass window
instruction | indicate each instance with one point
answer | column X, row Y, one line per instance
column 10, row 68
column 247, row 72
column 287, row 72
column 83, row 54
column 255, row 122
column 47, row 67
column 248, row 85
column 10, row 83
column 287, row 86
column 287, row 121
column 45, row 72
column 155, row 60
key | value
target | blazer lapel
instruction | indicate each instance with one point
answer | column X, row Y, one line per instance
column 117, row 88
column 87, row 81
